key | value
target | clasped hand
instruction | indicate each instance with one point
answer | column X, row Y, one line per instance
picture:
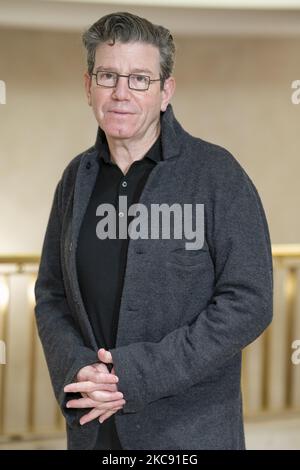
column 98, row 389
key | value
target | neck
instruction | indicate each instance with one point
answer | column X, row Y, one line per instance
column 126, row 151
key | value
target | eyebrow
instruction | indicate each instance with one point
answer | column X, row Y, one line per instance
column 113, row 69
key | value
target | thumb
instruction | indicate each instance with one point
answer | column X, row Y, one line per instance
column 105, row 356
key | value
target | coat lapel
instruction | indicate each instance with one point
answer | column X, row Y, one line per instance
column 84, row 184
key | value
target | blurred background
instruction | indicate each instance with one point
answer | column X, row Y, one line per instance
column 236, row 62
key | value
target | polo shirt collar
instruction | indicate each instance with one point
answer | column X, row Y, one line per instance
column 154, row 153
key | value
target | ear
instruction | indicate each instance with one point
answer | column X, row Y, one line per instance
column 167, row 92
column 87, row 85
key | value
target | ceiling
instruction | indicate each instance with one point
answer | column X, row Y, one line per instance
column 188, row 17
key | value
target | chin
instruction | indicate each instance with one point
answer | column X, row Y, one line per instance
column 119, row 133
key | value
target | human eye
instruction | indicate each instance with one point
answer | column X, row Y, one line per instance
column 106, row 78
column 106, row 75
column 139, row 82
column 141, row 78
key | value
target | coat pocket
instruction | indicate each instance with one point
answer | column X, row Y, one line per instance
column 187, row 258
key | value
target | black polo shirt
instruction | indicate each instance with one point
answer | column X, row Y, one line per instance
column 101, row 262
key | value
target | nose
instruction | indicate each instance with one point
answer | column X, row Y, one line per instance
column 121, row 90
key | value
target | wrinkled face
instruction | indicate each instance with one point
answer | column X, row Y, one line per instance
column 123, row 113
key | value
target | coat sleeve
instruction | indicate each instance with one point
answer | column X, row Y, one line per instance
column 238, row 312
column 62, row 343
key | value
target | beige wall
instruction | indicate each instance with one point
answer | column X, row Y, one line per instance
column 234, row 92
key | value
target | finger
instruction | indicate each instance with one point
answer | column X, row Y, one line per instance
column 100, row 395
column 96, row 375
column 105, row 387
column 85, row 372
column 97, row 400
column 80, row 403
column 81, row 387
column 110, row 405
column 105, row 356
column 112, row 410
column 107, row 414
column 105, row 396
column 101, row 367
column 93, row 414
column 104, row 377
column 90, row 385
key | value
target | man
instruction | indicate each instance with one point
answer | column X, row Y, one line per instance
column 142, row 336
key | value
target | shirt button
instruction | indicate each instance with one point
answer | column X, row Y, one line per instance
column 124, row 184
column 121, row 214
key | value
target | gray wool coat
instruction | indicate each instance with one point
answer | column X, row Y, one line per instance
column 185, row 316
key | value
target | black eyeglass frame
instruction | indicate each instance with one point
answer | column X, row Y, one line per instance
column 121, row 75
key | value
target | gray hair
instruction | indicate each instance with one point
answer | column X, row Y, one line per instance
column 126, row 27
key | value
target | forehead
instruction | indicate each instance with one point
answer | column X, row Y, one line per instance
column 128, row 56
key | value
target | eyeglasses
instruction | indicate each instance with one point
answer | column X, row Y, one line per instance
column 135, row 81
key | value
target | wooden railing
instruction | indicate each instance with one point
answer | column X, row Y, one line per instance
column 27, row 403
column 270, row 381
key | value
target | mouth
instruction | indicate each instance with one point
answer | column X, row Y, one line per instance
column 119, row 112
